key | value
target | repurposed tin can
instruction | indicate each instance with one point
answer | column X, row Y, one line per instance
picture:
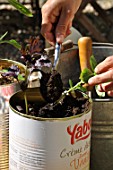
column 5, row 93
column 48, row 143
column 102, row 134
column 102, row 121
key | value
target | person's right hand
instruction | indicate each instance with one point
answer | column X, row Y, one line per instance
column 57, row 16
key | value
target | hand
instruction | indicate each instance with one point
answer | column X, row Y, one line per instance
column 104, row 76
column 57, row 16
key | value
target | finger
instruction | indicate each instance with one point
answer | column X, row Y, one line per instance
column 101, row 78
column 46, row 31
column 100, row 88
column 50, row 38
column 105, row 65
column 49, row 18
column 68, row 31
column 105, row 87
column 110, row 93
column 62, row 26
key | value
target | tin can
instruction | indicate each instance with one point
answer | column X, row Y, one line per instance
column 5, row 93
column 102, row 134
column 46, row 143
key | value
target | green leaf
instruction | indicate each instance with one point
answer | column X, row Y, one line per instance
column 70, row 83
column 4, row 70
column 2, row 37
column 12, row 42
column 86, row 74
column 100, row 94
column 77, row 86
column 93, row 63
column 20, row 77
column 81, row 88
column 21, row 8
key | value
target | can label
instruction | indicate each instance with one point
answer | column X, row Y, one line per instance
column 5, row 93
column 48, row 145
column 0, row 140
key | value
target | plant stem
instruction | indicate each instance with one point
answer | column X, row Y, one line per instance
column 26, row 103
column 25, row 96
column 77, row 86
column 74, row 87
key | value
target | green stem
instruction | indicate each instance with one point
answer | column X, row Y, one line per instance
column 79, row 84
column 25, row 96
column 74, row 87
column 26, row 103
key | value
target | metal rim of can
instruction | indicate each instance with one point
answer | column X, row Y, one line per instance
column 102, row 100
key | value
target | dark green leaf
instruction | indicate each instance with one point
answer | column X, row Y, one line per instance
column 21, row 8
column 70, row 83
column 81, row 88
column 12, row 42
column 93, row 63
column 2, row 37
column 85, row 75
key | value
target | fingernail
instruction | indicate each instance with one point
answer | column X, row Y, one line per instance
column 59, row 38
column 96, row 70
column 90, row 81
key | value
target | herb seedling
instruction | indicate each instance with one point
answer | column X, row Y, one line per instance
column 84, row 77
column 88, row 73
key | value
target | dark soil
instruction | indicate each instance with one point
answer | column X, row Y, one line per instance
column 10, row 74
column 51, row 86
column 6, row 80
column 68, row 106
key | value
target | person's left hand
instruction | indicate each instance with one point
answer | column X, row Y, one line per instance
column 104, row 77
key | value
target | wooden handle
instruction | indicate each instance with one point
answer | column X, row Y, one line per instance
column 65, row 46
column 85, row 51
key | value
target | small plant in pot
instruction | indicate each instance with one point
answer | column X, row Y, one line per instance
column 8, row 86
column 10, row 73
column 49, row 125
